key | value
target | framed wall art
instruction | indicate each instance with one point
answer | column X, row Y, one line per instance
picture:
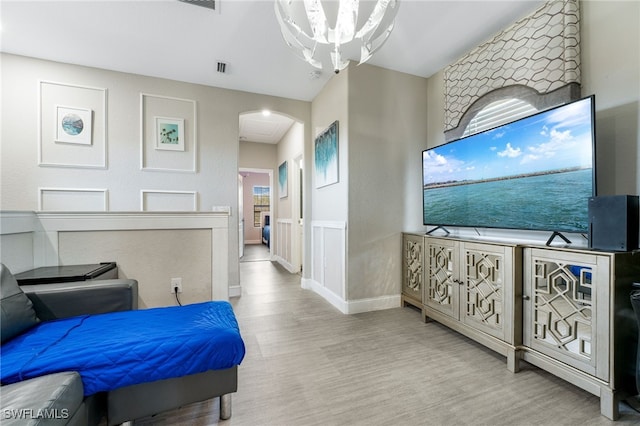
column 283, row 180
column 169, row 133
column 73, row 125
column 326, row 156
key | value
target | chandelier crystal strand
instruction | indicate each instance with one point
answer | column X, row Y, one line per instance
column 308, row 25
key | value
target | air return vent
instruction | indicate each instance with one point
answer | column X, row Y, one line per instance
column 209, row 4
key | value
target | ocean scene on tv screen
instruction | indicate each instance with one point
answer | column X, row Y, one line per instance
column 535, row 173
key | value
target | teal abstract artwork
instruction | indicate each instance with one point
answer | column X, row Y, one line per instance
column 326, row 156
column 282, row 180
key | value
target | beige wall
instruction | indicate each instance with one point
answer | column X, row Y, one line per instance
column 184, row 253
column 387, row 130
column 611, row 70
column 329, row 203
column 258, row 156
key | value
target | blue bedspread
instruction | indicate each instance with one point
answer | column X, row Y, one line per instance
column 125, row 348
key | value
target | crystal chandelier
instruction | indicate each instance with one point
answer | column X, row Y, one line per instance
column 311, row 27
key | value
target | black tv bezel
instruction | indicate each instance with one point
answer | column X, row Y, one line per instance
column 550, row 229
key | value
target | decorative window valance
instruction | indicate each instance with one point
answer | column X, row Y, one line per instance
column 539, row 54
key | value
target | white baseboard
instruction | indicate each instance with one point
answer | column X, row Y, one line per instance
column 286, row 265
column 327, row 295
column 352, row 306
column 235, row 291
column 373, row 304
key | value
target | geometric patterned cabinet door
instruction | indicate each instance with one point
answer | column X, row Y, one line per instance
column 487, row 288
column 412, row 270
column 562, row 307
column 442, row 291
column 473, row 283
column 575, row 309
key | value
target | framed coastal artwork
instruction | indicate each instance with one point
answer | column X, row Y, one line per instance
column 326, row 156
column 283, row 180
column 169, row 133
column 73, row 125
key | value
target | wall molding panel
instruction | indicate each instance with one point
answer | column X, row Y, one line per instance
column 168, row 201
column 55, row 153
column 541, row 51
column 283, row 251
column 154, row 159
column 73, row 199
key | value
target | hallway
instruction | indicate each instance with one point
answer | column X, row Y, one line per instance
column 308, row 364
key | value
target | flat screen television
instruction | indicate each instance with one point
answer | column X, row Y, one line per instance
column 536, row 173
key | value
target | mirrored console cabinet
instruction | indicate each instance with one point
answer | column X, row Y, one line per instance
column 561, row 309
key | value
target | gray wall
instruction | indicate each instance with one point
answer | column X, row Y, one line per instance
column 217, row 129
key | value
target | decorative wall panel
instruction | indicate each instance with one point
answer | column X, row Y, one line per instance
column 168, row 201
column 540, row 52
column 72, row 128
column 73, row 200
column 284, row 229
column 162, row 118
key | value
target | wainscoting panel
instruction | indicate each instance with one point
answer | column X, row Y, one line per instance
column 283, row 245
column 328, row 266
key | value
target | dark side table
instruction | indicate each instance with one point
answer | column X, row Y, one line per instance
column 68, row 273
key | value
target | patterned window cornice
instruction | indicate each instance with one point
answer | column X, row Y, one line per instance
column 540, row 53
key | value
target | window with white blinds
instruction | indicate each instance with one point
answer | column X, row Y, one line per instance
column 498, row 113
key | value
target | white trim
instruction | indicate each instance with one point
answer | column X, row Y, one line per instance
column 105, row 201
column 41, row 163
column 17, row 222
column 157, row 191
column 284, row 263
column 350, row 307
column 194, row 130
column 329, row 296
column 329, row 224
column 373, row 304
column 235, row 291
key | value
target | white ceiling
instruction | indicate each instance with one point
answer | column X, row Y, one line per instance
column 256, row 127
column 179, row 41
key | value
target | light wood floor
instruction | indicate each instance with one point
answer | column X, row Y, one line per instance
column 308, row 364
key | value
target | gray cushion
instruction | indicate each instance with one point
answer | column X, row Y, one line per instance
column 47, row 400
column 17, row 310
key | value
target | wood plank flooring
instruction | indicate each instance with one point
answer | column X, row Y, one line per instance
column 308, row 364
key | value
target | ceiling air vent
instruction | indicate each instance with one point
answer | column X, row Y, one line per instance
column 209, row 4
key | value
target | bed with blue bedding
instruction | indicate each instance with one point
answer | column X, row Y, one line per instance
column 120, row 349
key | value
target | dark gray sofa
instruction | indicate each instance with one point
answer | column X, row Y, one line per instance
column 58, row 398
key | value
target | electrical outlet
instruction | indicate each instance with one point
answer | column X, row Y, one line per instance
column 176, row 282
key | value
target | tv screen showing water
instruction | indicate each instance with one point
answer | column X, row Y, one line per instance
column 535, row 173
